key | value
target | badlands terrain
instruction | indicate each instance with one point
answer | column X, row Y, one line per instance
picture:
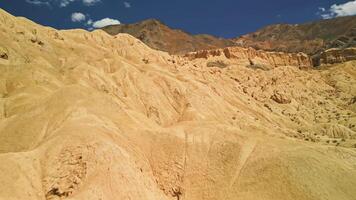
column 91, row 116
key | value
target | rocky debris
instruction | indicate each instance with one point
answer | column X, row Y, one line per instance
column 219, row 64
column 352, row 100
column 36, row 40
column 204, row 54
column 280, row 98
column 57, row 36
column 337, row 131
column 145, row 60
column 4, row 56
column 68, row 175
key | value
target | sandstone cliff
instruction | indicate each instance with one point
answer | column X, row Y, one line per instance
column 250, row 56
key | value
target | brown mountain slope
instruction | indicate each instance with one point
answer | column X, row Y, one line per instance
column 89, row 116
column 309, row 38
column 159, row 36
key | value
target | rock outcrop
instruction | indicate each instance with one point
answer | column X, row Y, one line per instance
column 253, row 57
column 335, row 55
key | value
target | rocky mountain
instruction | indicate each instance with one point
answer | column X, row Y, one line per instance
column 158, row 36
column 310, row 38
column 88, row 116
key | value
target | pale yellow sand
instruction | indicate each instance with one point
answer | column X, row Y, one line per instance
column 89, row 116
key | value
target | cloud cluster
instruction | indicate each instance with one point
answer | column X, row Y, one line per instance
column 346, row 9
column 90, row 2
column 65, row 3
column 78, row 17
column 38, row 2
column 90, row 24
column 105, row 22
column 61, row 3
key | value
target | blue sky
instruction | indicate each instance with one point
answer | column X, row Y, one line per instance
column 224, row 18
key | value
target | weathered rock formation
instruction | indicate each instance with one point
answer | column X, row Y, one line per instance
column 336, row 55
column 259, row 57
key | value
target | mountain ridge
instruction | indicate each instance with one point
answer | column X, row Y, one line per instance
column 311, row 37
column 159, row 36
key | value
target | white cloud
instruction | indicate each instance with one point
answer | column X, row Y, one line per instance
column 89, row 22
column 326, row 16
column 346, row 9
column 127, row 4
column 77, row 17
column 90, row 2
column 38, row 2
column 61, row 3
column 105, row 22
column 65, row 3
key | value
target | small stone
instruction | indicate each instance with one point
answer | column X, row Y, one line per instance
column 3, row 54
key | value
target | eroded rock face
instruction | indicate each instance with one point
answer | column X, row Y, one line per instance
column 336, row 55
column 253, row 56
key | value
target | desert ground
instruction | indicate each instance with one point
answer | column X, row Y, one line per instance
column 90, row 116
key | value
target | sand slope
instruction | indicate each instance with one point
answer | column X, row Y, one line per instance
column 91, row 116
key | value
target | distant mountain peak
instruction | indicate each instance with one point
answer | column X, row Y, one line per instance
column 159, row 36
column 152, row 21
